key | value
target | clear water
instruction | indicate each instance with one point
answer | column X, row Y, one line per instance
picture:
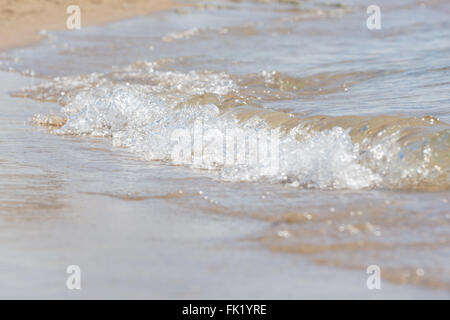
column 363, row 117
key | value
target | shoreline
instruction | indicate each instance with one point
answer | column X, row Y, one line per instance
column 143, row 228
column 153, row 248
column 21, row 21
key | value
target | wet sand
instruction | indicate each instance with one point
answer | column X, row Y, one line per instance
column 141, row 228
column 134, row 247
column 21, row 22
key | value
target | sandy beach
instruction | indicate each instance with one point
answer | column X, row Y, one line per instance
column 91, row 173
column 22, row 21
column 132, row 244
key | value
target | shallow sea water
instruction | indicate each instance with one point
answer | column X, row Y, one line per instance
column 364, row 150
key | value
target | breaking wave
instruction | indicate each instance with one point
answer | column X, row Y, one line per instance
column 140, row 107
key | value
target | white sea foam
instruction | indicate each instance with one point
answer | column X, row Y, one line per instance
column 140, row 108
column 189, row 33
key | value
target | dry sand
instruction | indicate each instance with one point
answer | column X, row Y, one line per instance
column 21, row 20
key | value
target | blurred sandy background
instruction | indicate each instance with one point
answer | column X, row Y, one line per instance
column 22, row 20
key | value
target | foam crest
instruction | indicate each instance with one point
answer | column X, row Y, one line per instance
column 186, row 119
